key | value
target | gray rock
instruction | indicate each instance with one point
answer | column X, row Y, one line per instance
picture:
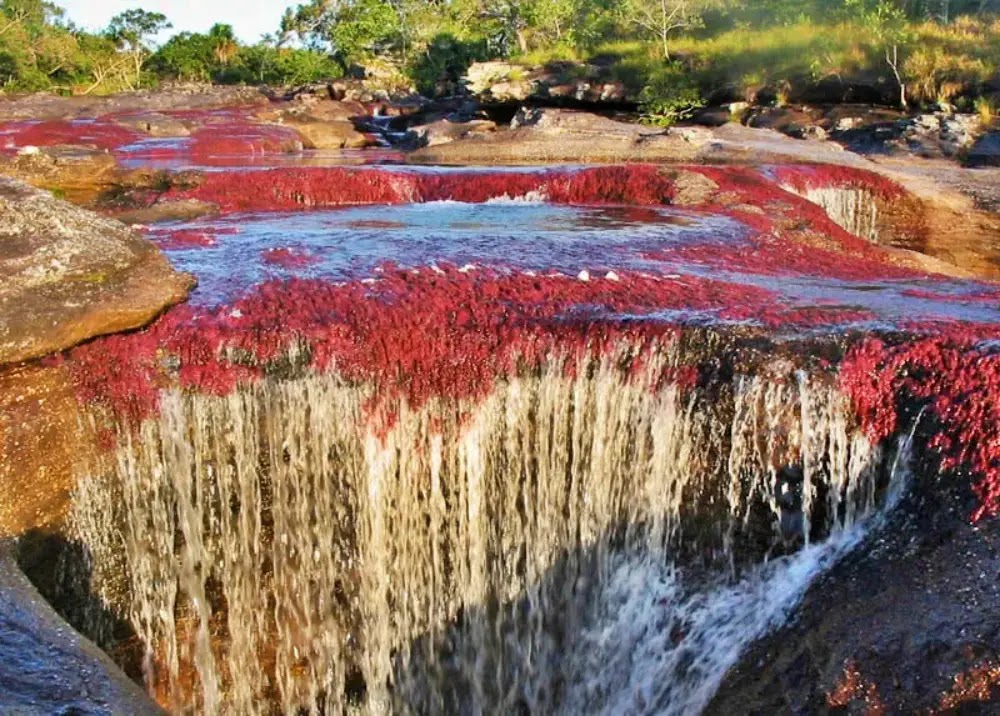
column 986, row 151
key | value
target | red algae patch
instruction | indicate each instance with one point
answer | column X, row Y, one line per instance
column 806, row 177
column 100, row 133
column 291, row 189
column 954, row 379
column 444, row 333
column 289, row 257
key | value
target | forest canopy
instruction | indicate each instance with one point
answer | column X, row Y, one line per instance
column 933, row 50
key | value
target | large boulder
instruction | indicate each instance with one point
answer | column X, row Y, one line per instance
column 155, row 124
column 445, row 130
column 986, row 151
column 70, row 169
column 67, row 274
column 330, row 135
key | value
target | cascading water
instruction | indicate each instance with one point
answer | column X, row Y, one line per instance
column 852, row 208
column 567, row 457
column 279, row 549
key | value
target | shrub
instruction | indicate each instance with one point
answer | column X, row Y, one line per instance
column 670, row 96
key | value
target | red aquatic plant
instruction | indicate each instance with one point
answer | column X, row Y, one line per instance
column 101, row 133
column 291, row 189
column 854, row 689
column 418, row 335
column 981, row 683
column 955, row 379
column 803, row 177
column 289, row 257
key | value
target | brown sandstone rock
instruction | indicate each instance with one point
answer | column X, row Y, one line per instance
column 155, row 124
column 67, row 274
column 444, row 131
column 77, row 172
column 173, row 210
column 330, row 135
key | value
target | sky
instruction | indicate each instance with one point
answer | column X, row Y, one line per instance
column 250, row 18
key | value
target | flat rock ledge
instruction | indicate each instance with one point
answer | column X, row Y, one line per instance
column 68, row 274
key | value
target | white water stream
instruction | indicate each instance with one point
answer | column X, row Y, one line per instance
column 580, row 541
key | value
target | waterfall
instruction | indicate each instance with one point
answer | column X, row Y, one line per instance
column 853, row 209
column 288, row 547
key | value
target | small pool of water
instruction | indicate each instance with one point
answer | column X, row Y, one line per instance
column 230, row 253
column 235, row 252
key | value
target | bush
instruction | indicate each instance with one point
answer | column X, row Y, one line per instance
column 442, row 64
column 670, row 96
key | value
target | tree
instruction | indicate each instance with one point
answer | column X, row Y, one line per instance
column 890, row 32
column 224, row 44
column 662, row 18
column 132, row 31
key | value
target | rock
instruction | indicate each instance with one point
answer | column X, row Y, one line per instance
column 692, row 188
column 322, row 123
column 939, row 135
column 986, row 151
column 330, row 135
column 928, row 616
column 446, row 130
column 175, row 210
column 845, row 124
column 48, row 668
column 176, row 97
column 81, row 171
column 155, row 124
column 67, row 274
column 304, row 110
column 481, row 76
column 555, row 83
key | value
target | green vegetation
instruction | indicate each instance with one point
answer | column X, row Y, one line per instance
column 674, row 54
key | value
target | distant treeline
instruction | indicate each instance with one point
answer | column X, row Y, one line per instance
column 677, row 51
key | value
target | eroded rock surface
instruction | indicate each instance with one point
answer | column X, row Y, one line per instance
column 917, row 607
column 67, row 274
column 192, row 97
column 47, row 668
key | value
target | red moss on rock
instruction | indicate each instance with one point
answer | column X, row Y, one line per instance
column 289, row 257
column 289, row 189
column 805, row 177
column 955, row 379
column 100, row 133
column 413, row 334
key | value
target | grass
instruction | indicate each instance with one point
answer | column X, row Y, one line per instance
column 986, row 108
column 940, row 64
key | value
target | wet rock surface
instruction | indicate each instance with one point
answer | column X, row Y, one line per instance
column 911, row 614
column 46, row 667
column 67, row 274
